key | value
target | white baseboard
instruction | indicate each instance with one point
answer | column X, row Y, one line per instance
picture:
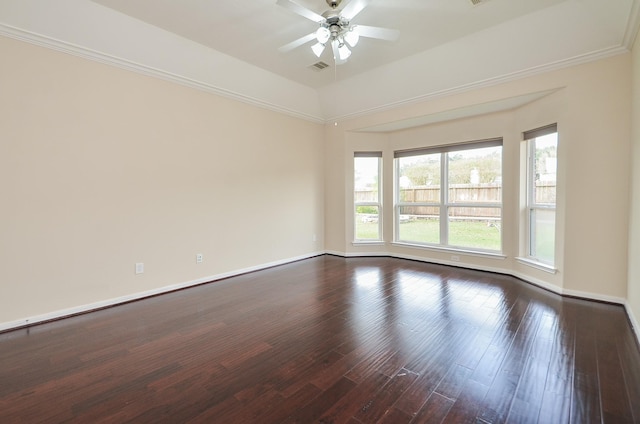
column 635, row 324
column 335, row 253
column 63, row 313
column 59, row 314
column 527, row 278
column 359, row 255
column 595, row 296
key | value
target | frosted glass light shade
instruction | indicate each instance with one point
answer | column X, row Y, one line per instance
column 317, row 48
column 352, row 37
column 322, row 35
column 344, row 52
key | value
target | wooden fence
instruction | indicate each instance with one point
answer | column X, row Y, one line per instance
column 458, row 193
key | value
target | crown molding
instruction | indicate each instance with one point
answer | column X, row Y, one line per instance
column 633, row 25
column 86, row 53
column 541, row 69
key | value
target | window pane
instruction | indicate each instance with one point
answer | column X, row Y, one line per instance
column 366, row 179
column 475, row 175
column 419, row 224
column 419, row 178
column 543, row 223
column 475, row 227
column 367, row 223
column 545, row 168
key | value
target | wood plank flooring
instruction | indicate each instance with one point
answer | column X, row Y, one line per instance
column 331, row 340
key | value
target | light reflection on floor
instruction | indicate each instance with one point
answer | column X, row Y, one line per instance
column 412, row 302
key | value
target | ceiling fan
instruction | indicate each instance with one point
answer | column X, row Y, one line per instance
column 336, row 29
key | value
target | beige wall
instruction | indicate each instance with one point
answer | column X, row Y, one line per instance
column 599, row 130
column 634, row 230
column 335, row 159
column 101, row 168
column 591, row 107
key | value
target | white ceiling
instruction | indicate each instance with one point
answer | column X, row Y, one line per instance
column 231, row 47
column 252, row 30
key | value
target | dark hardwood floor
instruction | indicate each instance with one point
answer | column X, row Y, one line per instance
column 331, row 340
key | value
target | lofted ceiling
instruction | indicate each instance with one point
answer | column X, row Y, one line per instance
column 252, row 30
column 231, row 47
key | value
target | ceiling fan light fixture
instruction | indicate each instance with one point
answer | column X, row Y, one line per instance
column 343, row 52
column 334, row 27
column 322, row 35
column 352, row 37
column 318, row 48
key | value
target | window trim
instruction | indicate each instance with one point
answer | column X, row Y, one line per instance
column 446, row 148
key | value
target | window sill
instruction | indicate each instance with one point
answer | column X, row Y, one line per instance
column 477, row 253
column 368, row 243
column 537, row 265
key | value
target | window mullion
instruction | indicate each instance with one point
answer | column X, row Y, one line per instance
column 542, row 206
column 476, row 205
column 380, row 197
column 531, row 154
column 531, row 171
column 396, row 199
column 444, row 199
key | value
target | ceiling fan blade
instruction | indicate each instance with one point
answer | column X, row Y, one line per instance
column 377, row 32
column 297, row 43
column 353, row 8
column 300, row 10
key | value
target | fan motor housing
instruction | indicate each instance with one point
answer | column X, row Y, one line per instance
column 331, row 17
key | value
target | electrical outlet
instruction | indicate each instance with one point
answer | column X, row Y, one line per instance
column 139, row 268
column 314, row 238
column 199, row 258
column 455, row 258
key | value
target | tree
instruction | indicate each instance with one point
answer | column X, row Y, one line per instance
column 426, row 170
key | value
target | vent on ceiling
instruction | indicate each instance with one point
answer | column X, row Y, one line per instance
column 318, row 66
column 477, row 2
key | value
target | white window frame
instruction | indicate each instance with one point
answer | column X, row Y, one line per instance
column 531, row 205
column 377, row 204
column 444, row 204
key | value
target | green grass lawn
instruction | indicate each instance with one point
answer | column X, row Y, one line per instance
column 366, row 230
column 545, row 238
column 469, row 234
